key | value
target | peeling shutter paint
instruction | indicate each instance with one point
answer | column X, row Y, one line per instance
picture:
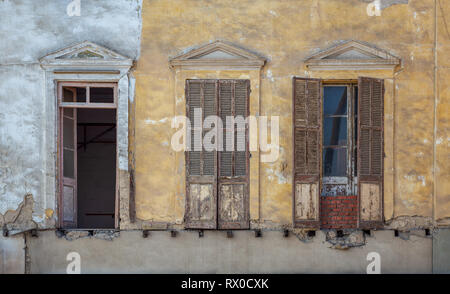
column 307, row 115
column 217, row 182
column 370, row 154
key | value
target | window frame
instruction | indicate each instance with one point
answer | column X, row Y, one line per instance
column 88, row 103
column 218, row 180
column 351, row 178
column 75, row 105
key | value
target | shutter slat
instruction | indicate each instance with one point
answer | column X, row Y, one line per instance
column 209, row 100
column 364, row 151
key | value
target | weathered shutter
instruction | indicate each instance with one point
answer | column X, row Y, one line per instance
column 201, row 173
column 68, row 162
column 233, row 203
column 307, row 115
column 370, row 151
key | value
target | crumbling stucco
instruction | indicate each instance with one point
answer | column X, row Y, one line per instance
column 386, row 3
column 406, row 223
column 72, row 235
column 349, row 239
column 19, row 220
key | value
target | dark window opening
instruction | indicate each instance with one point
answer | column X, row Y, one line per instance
column 96, row 160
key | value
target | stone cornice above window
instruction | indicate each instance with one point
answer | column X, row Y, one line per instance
column 352, row 55
column 85, row 55
column 218, row 55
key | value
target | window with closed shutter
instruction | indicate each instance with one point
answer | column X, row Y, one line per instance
column 217, row 181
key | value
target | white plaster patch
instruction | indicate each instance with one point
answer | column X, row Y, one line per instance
column 270, row 76
column 422, row 179
column 132, row 82
column 149, row 121
column 276, row 175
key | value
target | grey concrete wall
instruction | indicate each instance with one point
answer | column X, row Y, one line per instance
column 12, row 255
column 441, row 251
column 31, row 29
column 215, row 253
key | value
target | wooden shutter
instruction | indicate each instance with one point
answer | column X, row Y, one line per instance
column 370, row 151
column 233, row 203
column 201, row 166
column 68, row 163
column 307, row 119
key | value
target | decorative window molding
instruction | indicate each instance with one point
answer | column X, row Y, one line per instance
column 86, row 54
column 352, row 55
column 218, row 55
column 88, row 62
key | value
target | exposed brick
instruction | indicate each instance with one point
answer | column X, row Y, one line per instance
column 338, row 212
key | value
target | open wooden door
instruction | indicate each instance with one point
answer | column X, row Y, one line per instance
column 68, row 163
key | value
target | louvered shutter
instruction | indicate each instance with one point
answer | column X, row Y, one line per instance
column 233, row 204
column 370, row 151
column 201, row 172
column 307, row 114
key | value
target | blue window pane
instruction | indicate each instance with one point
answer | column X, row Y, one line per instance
column 334, row 162
column 335, row 100
column 335, row 131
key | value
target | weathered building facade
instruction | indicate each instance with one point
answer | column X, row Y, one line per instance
column 89, row 104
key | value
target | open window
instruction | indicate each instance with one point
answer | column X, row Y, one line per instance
column 87, row 155
column 338, row 153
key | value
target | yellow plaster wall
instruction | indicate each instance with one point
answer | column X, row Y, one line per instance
column 286, row 32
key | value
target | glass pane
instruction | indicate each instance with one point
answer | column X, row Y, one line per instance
column 335, row 131
column 68, row 94
column 68, row 112
column 68, row 207
column 101, row 95
column 68, row 133
column 334, row 162
column 335, row 100
column 68, row 164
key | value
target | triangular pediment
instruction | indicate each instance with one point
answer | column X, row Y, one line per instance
column 85, row 53
column 352, row 55
column 218, row 54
